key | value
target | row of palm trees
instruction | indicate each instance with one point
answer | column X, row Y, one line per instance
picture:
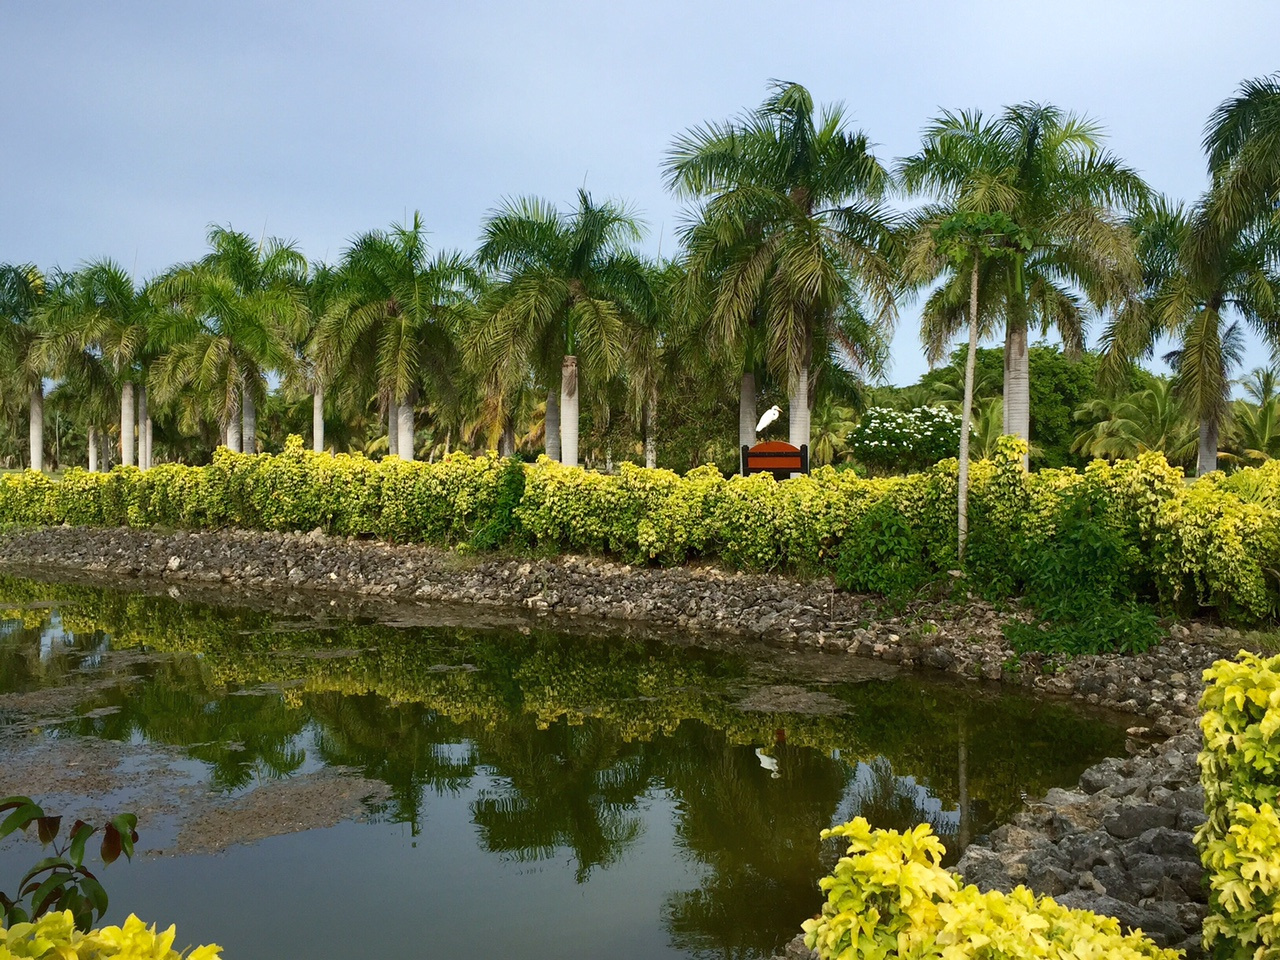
column 792, row 266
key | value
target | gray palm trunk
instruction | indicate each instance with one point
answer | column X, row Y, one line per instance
column 1017, row 385
column 1207, row 454
column 747, row 410
column 126, row 424
column 93, row 449
column 798, row 414
column 143, row 418
column 250, row 436
column 404, row 427
column 36, row 437
column 569, row 411
column 393, row 433
column 966, row 417
column 507, row 442
column 551, row 425
column 651, row 428
column 233, row 431
column 317, row 419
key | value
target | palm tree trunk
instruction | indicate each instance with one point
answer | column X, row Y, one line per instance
column 507, row 442
column 250, row 438
column 651, row 428
column 966, row 416
column 551, row 426
column 404, row 426
column 569, row 411
column 143, row 462
column 93, row 449
column 393, row 432
column 1207, row 457
column 747, row 409
column 317, row 418
column 1017, row 385
column 126, row 424
column 37, row 426
column 798, row 415
column 233, row 432
column 150, row 432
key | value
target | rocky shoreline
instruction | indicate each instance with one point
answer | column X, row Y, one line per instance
column 1119, row 844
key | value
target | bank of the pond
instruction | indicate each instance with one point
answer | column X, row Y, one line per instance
column 1119, row 844
column 1162, row 686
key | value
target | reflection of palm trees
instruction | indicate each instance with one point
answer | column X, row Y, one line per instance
column 406, row 746
column 566, row 786
column 241, row 738
column 757, row 835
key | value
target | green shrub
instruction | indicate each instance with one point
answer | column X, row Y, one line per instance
column 1240, row 839
column 890, row 897
column 55, row 935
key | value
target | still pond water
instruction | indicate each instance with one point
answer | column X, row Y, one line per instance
column 539, row 794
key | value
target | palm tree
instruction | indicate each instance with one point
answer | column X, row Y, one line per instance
column 398, row 310
column 1194, row 279
column 566, row 288
column 22, row 290
column 832, row 424
column 788, row 238
column 1242, row 140
column 228, row 319
column 98, row 326
column 1048, row 173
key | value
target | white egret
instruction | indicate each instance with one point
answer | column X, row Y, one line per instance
column 766, row 761
column 770, row 415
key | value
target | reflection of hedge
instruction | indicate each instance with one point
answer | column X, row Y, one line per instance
column 643, row 689
column 1240, row 840
column 1209, row 544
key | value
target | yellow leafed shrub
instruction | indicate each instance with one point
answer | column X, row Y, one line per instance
column 889, row 896
column 55, row 937
column 1240, row 841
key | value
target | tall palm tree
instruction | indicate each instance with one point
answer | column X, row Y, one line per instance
column 1242, row 141
column 1195, row 280
column 226, row 321
column 22, row 290
column 1047, row 171
column 398, row 310
column 566, row 287
column 789, row 237
column 99, row 319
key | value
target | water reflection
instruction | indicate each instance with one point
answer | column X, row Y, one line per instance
column 559, row 747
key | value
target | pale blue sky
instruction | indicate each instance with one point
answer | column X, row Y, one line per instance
column 129, row 127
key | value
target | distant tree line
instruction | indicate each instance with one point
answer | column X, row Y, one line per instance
column 557, row 336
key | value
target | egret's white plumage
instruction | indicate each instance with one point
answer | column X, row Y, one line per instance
column 770, row 415
column 766, row 761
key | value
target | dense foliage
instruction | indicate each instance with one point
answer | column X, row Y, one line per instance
column 1240, row 841
column 889, row 896
column 558, row 336
column 1111, row 532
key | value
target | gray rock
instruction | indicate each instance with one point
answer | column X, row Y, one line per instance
column 1131, row 821
column 1132, row 917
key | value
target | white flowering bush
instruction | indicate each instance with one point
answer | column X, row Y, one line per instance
column 900, row 441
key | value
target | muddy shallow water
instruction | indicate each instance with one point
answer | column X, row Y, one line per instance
column 377, row 780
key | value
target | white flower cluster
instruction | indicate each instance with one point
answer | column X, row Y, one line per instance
column 905, row 438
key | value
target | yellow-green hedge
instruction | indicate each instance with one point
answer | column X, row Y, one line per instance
column 1240, row 841
column 55, row 937
column 890, row 897
column 1211, row 544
